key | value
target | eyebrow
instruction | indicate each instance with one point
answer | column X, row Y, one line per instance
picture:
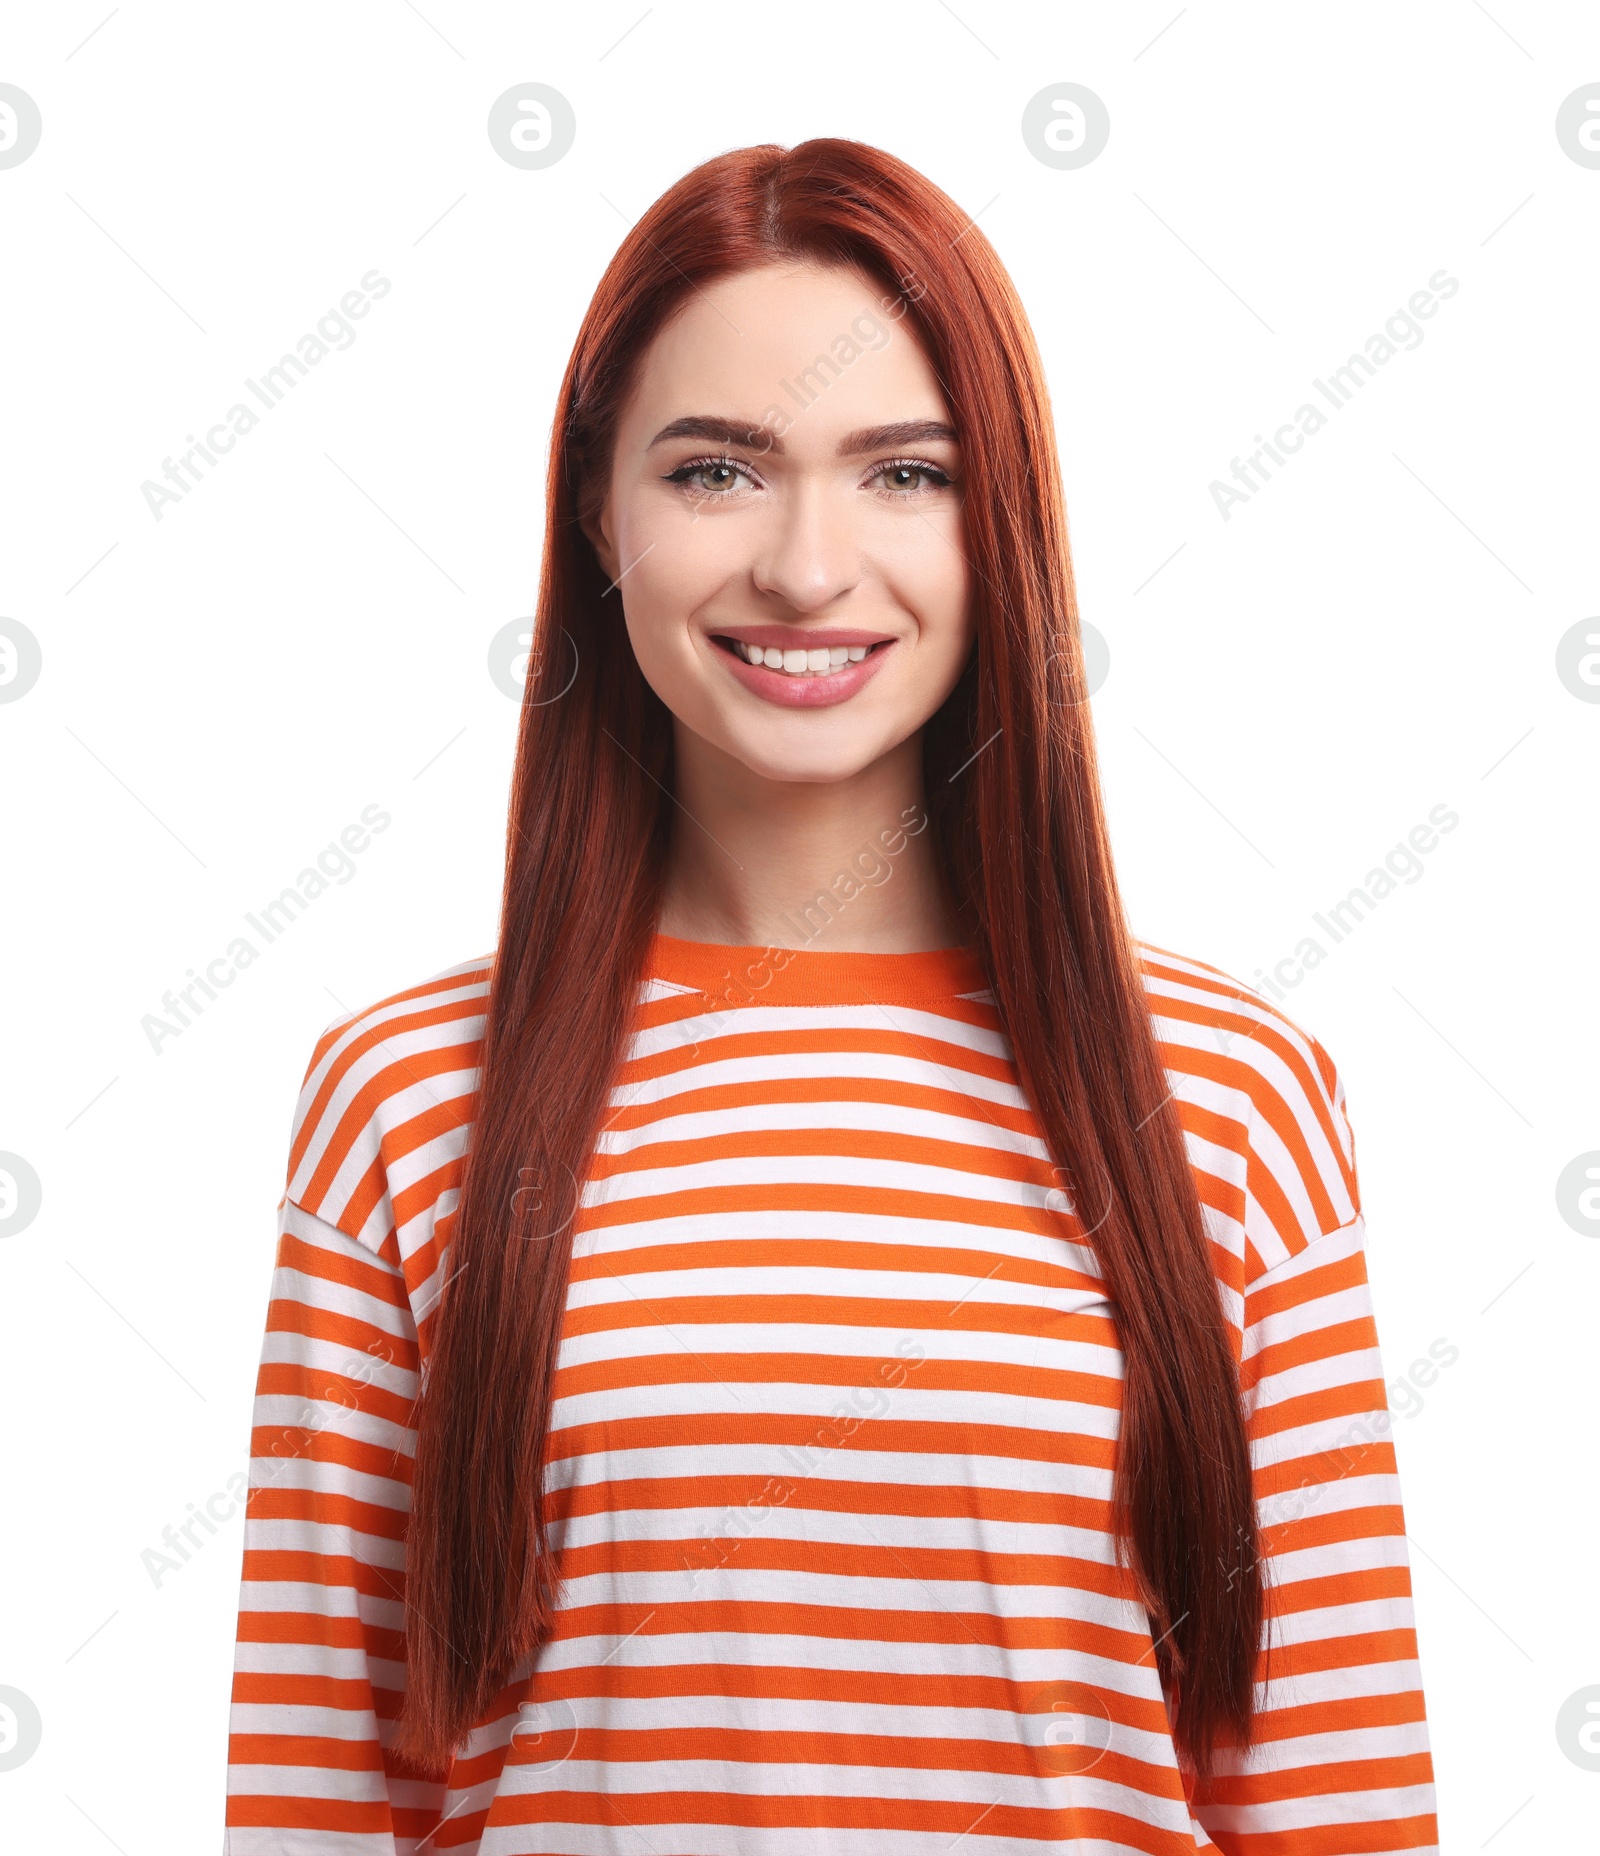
column 721, row 431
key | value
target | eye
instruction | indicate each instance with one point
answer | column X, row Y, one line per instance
column 712, row 477
column 904, row 478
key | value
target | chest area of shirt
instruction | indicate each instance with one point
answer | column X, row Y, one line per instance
column 841, row 1234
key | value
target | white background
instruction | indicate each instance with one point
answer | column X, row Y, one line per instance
column 1291, row 690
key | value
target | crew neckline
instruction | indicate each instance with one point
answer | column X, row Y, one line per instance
column 735, row 974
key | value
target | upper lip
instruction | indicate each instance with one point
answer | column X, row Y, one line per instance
column 798, row 637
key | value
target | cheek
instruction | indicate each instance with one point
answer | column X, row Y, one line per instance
column 673, row 560
column 666, row 561
column 675, row 572
column 928, row 574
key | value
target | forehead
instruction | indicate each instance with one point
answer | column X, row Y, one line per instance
column 813, row 342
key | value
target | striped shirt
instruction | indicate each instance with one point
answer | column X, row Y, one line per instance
column 831, row 1455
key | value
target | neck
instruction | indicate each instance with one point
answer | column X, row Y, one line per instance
column 842, row 865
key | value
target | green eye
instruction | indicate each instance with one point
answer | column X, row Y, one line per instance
column 906, row 477
column 715, row 476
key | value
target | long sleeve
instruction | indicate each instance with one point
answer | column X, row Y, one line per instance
column 374, row 1159
column 319, row 1668
column 1341, row 1763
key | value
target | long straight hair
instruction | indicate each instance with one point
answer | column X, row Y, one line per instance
column 1015, row 803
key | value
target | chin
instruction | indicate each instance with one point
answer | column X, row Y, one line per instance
column 815, row 763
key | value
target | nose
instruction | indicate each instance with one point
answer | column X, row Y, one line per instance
column 809, row 556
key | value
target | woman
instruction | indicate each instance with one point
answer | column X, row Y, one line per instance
column 823, row 1343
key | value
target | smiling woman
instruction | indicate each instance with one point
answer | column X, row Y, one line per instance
column 892, row 1383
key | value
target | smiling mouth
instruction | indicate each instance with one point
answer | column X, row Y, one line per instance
column 823, row 661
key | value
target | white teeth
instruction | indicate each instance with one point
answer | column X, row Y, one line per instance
column 818, row 663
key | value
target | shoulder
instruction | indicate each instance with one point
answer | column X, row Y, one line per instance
column 1263, row 1109
column 383, row 1114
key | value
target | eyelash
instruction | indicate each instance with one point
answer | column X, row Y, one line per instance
column 941, row 480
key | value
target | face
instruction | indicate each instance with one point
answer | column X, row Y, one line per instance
column 783, row 515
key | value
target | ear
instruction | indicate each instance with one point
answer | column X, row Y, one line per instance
column 594, row 525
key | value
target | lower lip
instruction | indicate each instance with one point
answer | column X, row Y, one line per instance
column 814, row 692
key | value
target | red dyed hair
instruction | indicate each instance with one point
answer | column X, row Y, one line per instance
column 1025, row 854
